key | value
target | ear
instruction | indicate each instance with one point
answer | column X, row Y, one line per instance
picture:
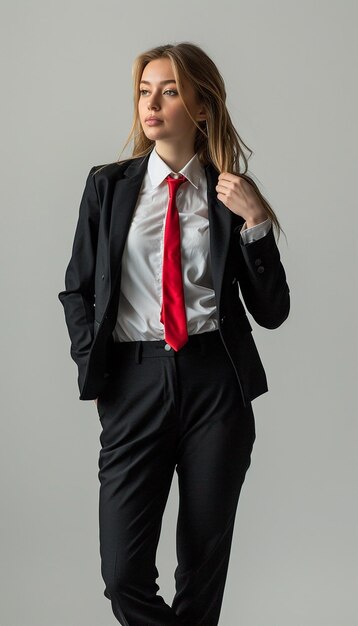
column 201, row 114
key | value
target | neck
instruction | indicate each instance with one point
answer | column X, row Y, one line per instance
column 175, row 156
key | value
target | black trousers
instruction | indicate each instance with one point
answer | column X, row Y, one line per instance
column 164, row 411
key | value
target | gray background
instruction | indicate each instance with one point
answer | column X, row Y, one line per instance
column 67, row 105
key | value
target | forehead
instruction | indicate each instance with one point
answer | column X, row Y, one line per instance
column 157, row 70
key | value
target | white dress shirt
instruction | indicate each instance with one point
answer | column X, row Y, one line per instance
column 140, row 296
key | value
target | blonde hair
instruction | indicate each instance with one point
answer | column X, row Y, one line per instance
column 216, row 141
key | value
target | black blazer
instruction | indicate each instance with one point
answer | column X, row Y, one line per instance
column 93, row 276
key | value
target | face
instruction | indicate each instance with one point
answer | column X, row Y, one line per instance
column 159, row 98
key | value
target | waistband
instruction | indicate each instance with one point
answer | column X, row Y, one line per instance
column 201, row 342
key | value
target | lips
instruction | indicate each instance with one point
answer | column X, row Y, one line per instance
column 153, row 122
column 152, row 119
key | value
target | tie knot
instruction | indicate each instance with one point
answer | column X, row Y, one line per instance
column 174, row 183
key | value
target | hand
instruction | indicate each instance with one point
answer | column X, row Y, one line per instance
column 240, row 197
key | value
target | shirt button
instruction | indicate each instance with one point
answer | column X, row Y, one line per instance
column 258, row 261
column 167, row 347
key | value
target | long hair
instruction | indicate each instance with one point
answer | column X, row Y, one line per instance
column 216, row 140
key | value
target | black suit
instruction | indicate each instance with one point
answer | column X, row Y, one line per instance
column 164, row 410
column 93, row 278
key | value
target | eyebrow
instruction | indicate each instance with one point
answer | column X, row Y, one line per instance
column 163, row 82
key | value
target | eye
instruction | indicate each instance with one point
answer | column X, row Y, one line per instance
column 172, row 91
column 141, row 91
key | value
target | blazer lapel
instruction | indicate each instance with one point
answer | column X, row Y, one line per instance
column 220, row 224
column 125, row 197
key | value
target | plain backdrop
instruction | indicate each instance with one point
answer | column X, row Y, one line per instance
column 66, row 105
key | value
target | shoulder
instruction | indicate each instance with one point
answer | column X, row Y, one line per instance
column 109, row 170
column 114, row 170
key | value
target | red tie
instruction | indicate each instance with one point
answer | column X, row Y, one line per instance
column 173, row 304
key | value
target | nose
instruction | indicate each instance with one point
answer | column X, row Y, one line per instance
column 152, row 105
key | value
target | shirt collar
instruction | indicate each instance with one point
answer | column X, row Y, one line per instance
column 158, row 170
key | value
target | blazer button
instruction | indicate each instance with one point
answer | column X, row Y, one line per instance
column 260, row 269
column 258, row 261
column 102, row 276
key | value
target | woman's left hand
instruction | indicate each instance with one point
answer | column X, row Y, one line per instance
column 240, row 197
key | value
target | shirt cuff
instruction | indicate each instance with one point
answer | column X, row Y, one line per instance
column 255, row 232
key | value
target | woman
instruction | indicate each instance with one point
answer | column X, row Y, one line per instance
column 164, row 241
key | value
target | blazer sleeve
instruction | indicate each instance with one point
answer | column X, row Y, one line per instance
column 78, row 298
column 262, row 280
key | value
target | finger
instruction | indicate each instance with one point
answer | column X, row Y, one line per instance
column 221, row 188
column 227, row 176
column 223, row 198
column 224, row 186
column 231, row 184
